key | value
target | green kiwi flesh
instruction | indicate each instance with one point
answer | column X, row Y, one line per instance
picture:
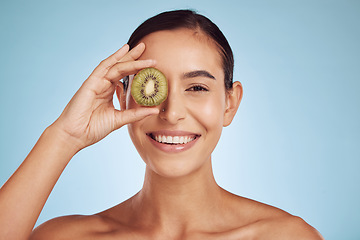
column 149, row 87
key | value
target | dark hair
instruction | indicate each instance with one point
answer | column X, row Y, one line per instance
column 191, row 20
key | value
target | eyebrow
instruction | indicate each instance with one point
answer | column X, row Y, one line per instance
column 198, row 73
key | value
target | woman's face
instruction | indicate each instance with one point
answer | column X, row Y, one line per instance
column 180, row 139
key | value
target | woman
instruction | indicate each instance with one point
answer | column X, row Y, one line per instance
column 180, row 198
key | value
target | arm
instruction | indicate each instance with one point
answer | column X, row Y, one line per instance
column 89, row 117
column 23, row 196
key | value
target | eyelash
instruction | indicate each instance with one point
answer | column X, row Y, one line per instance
column 197, row 88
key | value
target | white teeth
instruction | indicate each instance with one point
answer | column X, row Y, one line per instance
column 176, row 139
column 173, row 139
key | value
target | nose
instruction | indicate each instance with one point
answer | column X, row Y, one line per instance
column 173, row 108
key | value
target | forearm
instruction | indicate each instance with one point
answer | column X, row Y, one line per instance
column 23, row 196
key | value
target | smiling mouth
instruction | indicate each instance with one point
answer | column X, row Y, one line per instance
column 173, row 140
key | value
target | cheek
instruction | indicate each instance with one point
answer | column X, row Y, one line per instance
column 134, row 130
column 210, row 111
column 132, row 133
column 130, row 103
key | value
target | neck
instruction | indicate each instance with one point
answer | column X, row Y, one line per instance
column 180, row 201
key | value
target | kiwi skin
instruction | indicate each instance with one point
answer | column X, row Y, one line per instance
column 149, row 87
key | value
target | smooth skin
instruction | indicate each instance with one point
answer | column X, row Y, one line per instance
column 180, row 198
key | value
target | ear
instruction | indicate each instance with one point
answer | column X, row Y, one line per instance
column 233, row 99
column 120, row 93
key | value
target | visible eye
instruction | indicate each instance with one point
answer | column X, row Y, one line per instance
column 197, row 88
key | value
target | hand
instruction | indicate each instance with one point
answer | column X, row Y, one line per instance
column 90, row 115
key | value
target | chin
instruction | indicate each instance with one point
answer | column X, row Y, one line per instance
column 176, row 167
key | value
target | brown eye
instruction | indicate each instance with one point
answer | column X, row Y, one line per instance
column 197, row 88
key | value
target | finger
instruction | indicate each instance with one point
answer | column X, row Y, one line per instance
column 102, row 68
column 115, row 57
column 128, row 116
column 122, row 69
column 122, row 55
column 134, row 53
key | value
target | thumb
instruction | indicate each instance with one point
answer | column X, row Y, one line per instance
column 128, row 116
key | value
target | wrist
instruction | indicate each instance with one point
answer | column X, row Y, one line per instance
column 62, row 140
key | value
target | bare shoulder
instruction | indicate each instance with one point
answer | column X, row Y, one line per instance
column 72, row 227
column 250, row 211
column 268, row 222
column 290, row 227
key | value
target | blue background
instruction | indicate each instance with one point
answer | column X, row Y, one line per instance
column 294, row 143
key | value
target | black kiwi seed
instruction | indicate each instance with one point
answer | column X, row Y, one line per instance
column 149, row 87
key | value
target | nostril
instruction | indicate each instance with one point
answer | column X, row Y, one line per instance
column 172, row 110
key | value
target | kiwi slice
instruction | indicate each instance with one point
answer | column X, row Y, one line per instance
column 149, row 87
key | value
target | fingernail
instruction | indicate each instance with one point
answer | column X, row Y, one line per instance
column 151, row 61
column 140, row 44
column 154, row 110
column 125, row 45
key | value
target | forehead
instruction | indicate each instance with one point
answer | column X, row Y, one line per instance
column 183, row 48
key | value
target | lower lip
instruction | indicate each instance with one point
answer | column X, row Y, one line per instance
column 173, row 148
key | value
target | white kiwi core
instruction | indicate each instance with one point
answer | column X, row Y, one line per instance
column 150, row 87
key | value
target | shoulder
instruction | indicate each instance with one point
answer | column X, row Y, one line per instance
column 71, row 227
column 267, row 222
column 289, row 227
column 249, row 211
column 280, row 228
